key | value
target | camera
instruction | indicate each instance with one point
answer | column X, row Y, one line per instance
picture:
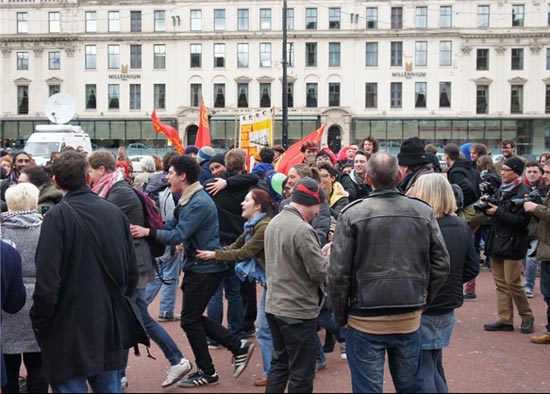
column 534, row 196
column 487, row 196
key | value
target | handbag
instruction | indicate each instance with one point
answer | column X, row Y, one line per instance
column 126, row 312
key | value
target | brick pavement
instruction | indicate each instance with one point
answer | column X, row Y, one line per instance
column 476, row 361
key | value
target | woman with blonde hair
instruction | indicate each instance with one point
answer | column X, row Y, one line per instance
column 438, row 319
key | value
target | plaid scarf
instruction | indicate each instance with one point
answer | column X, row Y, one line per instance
column 103, row 186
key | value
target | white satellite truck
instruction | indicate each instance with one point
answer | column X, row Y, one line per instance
column 50, row 138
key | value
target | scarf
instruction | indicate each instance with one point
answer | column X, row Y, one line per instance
column 21, row 219
column 105, row 183
column 338, row 192
column 507, row 187
column 189, row 192
column 358, row 179
column 250, row 268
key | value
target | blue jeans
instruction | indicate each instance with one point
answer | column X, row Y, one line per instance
column 107, row 382
column 366, row 354
column 531, row 265
column 263, row 335
column 232, row 285
column 171, row 269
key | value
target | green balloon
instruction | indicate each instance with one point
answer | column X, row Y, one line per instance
column 277, row 182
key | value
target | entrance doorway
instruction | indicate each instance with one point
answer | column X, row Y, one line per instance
column 192, row 134
column 334, row 140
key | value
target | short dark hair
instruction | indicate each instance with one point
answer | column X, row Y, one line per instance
column 534, row 163
column 508, row 141
column 453, row 151
column 71, row 170
column 267, row 155
column 186, row 165
column 383, row 170
column 328, row 168
column 38, row 176
column 167, row 159
column 374, row 141
column 103, row 158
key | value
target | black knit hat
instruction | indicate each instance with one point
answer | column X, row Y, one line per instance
column 308, row 192
column 218, row 158
column 412, row 153
column 516, row 164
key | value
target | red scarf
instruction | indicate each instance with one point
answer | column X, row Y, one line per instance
column 103, row 186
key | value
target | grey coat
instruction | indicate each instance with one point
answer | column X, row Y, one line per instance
column 23, row 228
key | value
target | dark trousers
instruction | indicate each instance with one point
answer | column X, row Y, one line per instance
column 545, row 289
column 36, row 379
column 250, row 304
column 197, row 290
column 293, row 362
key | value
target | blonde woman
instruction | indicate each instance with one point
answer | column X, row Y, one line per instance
column 438, row 319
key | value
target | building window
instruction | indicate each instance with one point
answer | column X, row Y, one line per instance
column 372, row 18
column 290, row 54
column 265, row 54
column 242, row 100
column 290, row 18
column 159, row 61
column 265, row 95
column 334, row 94
column 396, row 54
column 482, row 59
column 113, row 56
column 397, row 17
column 421, row 17
column 311, row 18
column 114, row 96
column 135, row 21
column 516, row 99
column 135, row 56
column 242, row 55
column 196, row 55
column 219, row 55
column 482, row 99
column 290, row 94
column 547, row 102
column 483, row 16
column 219, row 94
column 445, row 53
column 396, row 94
column 159, row 99
column 372, row 54
column 196, row 20
column 91, row 97
column 135, row 96
column 421, row 53
column 334, row 15
column 446, row 16
column 311, row 100
column 22, row 61
column 548, row 58
column 114, row 21
column 371, row 95
column 265, row 19
column 420, row 91
column 54, row 60
column 548, row 16
column 196, row 94
column 219, row 19
column 444, row 94
column 242, row 19
column 53, row 89
column 54, row 22
column 23, row 100
column 518, row 15
column 90, row 55
column 91, row 21
column 160, row 20
column 334, row 54
column 517, row 58
column 311, row 54
column 22, row 22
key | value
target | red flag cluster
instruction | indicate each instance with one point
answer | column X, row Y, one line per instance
column 293, row 154
column 168, row 131
column 203, row 134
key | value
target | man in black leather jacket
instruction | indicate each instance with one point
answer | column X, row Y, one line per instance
column 387, row 263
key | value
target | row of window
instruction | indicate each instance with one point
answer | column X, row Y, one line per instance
column 265, row 19
column 371, row 96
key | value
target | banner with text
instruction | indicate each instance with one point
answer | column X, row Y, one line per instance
column 256, row 131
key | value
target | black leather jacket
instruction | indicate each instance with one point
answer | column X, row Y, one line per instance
column 388, row 257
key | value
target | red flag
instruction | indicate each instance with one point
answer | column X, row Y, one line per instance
column 203, row 135
column 168, row 131
column 293, row 154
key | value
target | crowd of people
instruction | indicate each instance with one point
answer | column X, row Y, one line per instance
column 328, row 245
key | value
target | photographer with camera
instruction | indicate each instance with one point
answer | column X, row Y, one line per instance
column 507, row 245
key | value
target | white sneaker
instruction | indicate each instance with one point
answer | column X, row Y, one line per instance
column 343, row 354
column 176, row 372
column 123, row 383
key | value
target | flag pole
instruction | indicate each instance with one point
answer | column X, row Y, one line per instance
column 237, row 143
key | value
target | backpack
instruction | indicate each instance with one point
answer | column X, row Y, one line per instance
column 153, row 219
column 264, row 183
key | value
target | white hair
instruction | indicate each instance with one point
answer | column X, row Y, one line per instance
column 147, row 164
column 22, row 197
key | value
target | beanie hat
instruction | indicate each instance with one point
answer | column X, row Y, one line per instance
column 206, row 153
column 516, row 164
column 308, row 192
column 191, row 149
column 218, row 158
column 309, row 145
column 412, row 153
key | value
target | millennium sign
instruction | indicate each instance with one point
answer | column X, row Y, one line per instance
column 408, row 73
column 124, row 74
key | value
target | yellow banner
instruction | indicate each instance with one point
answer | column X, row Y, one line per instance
column 256, row 131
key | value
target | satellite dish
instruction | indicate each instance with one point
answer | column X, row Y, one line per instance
column 60, row 108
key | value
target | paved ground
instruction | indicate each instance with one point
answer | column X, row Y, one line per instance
column 476, row 361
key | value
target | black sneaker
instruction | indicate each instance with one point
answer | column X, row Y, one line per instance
column 498, row 326
column 198, row 379
column 470, row 297
column 242, row 356
column 528, row 326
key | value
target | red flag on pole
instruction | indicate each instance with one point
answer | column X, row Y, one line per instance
column 203, row 134
column 168, row 131
column 293, row 154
